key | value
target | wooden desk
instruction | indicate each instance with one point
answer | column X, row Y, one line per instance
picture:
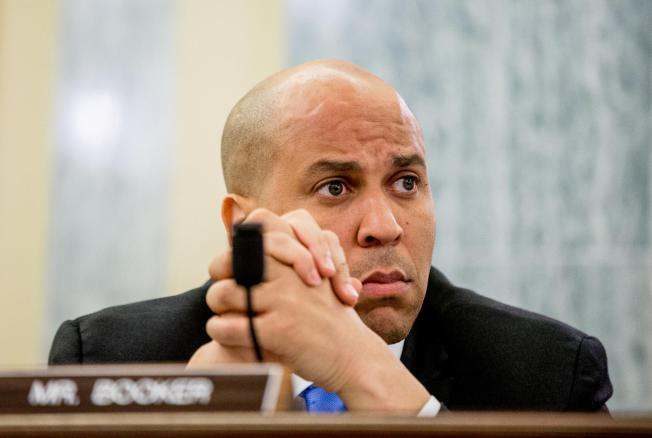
column 301, row 424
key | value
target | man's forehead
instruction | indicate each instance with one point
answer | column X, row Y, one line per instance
column 335, row 111
column 342, row 124
column 374, row 142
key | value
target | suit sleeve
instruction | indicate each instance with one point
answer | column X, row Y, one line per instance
column 66, row 346
column 591, row 384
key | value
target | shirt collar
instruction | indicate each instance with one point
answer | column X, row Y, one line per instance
column 299, row 383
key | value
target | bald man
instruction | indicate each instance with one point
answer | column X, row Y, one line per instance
column 332, row 162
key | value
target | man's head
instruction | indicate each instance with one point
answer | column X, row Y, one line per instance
column 336, row 140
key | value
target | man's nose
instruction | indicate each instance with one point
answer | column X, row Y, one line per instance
column 379, row 225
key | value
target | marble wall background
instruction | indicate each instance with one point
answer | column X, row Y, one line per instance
column 112, row 150
column 538, row 119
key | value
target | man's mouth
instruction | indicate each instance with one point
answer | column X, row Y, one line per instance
column 382, row 284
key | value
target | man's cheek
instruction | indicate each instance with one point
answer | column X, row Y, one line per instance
column 331, row 219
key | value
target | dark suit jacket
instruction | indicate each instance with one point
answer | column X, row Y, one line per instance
column 469, row 351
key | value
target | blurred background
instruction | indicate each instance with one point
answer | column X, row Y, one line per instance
column 537, row 117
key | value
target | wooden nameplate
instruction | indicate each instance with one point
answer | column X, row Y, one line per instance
column 145, row 388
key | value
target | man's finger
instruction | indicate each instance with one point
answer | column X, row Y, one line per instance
column 276, row 226
column 212, row 353
column 357, row 284
column 289, row 251
column 225, row 296
column 239, row 354
column 341, row 281
column 230, row 330
column 270, row 222
column 310, row 234
column 222, row 266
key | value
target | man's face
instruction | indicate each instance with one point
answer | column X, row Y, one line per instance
column 356, row 161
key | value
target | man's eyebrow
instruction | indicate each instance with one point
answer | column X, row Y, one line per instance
column 408, row 160
column 336, row 166
column 333, row 166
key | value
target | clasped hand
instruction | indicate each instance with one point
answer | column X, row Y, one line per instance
column 305, row 319
column 304, row 314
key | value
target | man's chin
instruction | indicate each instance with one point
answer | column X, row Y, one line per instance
column 386, row 321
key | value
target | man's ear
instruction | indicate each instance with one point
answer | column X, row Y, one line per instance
column 235, row 209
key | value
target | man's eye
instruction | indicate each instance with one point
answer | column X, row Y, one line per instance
column 407, row 184
column 332, row 189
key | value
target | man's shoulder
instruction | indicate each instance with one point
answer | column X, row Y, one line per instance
column 506, row 356
column 482, row 316
column 485, row 319
column 191, row 301
column 157, row 330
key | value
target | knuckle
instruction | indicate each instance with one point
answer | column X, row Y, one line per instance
column 212, row 327
column 220, row 293
column 305, row 261
column 336, row 249
column 316, row 243
column 303, row 213
column 323, row 241
column 342, row 264
column 299, row 213
column 303, row 253
column 331, row 237
column 211, row 296
column 259, row 215
column 220, row 265
column 300, row 220
column 333, row 245
column 280, row 238
column 229, row 329
column 315, row 247
column 212, row 267
column 271, row 239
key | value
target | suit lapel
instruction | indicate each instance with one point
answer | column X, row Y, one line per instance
column 423, row 353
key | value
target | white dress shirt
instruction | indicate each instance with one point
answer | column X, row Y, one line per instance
column 430, row 409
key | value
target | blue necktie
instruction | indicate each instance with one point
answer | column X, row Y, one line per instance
column 319, row 400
